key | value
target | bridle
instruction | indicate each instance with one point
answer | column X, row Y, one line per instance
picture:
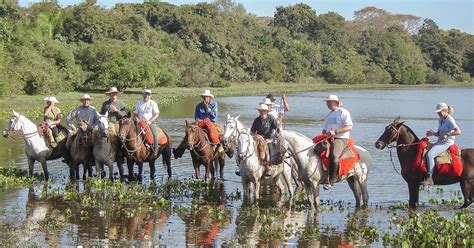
column 236, row 133
column 124, row 139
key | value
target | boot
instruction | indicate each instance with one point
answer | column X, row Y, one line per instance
column 333, row 175
column 51, row 140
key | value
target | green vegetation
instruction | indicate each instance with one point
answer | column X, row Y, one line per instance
column 11, row 177
column 48, row 49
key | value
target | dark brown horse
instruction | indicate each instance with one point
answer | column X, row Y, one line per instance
column 202, row 152
column 407, row 149
column 135, row 149
column 81, row 151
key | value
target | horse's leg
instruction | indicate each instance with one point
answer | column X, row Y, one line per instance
column 279, row 184
column 77, row 170
column 31, row 162
column 257, row 189
column 166, row 157
column 98, row 169
column 365, row 193
column 130, row 169
column 287, row 178
column 85, row 169
column 140, row 172
column 466, row 188
column 413, row 189
column 354, row 185
column 120, row 168
column 196, row 165
column 208, row 165
column 111, row 170
column 221, row 166
column 45, row 169
column 152, row 169
column 315, row 190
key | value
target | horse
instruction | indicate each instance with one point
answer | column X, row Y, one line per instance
column 81, row 151
column 106, row 147
column 407, row 149
column 311, row 171
column 36, row 148
column 202, row 152
column 251, row 171
column 136, row 150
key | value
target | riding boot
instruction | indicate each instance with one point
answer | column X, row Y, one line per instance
column 334, row 174
column 50, row 137
column 179, row 151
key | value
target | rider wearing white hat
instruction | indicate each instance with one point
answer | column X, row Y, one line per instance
column 116, row 108
column 84, row 112
column 338, row 124
column 52, row 116
column 147, row 109
column 447, row 129
column 207, row 109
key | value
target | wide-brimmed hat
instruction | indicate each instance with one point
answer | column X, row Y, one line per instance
column 266, row 101
column 441, row 106
column 112, row 90
column 51, row 99
column 85, row 97
column 147, row 91
column 270, row 96
column 207, row 93
column 333, row 98
column 263, row 107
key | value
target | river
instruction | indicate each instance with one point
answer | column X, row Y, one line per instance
column 371, row 111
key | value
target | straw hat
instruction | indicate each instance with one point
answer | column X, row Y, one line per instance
column 147, row 91
column 112, row 90
column 51, row 99
column 207, row 93
column 263, row 107
column 441, row 106
column 333, row 98
column 267, row 101
column 85, row 97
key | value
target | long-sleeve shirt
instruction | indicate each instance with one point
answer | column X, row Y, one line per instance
column 88, row 114
column 202, row 112
column 114, row 116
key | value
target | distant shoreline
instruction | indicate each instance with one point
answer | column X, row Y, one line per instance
column 31, row 105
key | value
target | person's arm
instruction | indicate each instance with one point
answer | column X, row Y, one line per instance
column 102, row 108
column 123, row 110
column 70, row 117
column 213, row 111
column 57, row 117
column 253, row 129
column 286, row 107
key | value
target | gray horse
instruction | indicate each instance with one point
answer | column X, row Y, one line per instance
column 106, row 147
column 81, row 151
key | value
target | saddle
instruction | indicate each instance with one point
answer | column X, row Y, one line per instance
column 447, row 163
column 213, row 130
column 268, row 152
column 347, row 160
column 47, row 134
column 148, row 134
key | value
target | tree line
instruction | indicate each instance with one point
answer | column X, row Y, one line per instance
column 47, row 48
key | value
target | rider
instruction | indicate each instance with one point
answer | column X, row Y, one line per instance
column 116, row 108
column 447, row 129
column 85, row 112
column 148, row 110
column 207, row 109
column 265, row 125
column 338, row 124
column 278, row 111
column 52, row 117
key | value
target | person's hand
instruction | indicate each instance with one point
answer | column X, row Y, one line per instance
column 113, row 108
column 332, row 132
column 208, row 110
column 430, row 133
column 444, row 137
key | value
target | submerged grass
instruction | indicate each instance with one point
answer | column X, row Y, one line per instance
column 11, row 177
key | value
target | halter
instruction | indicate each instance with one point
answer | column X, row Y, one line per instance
column 124, row 140
column 391, row 145
column 199, row 146
column 236, row 134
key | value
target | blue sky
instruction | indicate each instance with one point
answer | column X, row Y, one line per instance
column 446, row 13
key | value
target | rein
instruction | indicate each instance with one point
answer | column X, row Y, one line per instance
column 22, row 134
column 199, row 145
column 392, row 145
column 307, row 148
column 124, row 140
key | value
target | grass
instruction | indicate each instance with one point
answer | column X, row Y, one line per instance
column 31, row 106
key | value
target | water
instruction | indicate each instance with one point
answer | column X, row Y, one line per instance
column 371, row 111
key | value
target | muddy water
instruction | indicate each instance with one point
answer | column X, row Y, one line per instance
column 22, row 210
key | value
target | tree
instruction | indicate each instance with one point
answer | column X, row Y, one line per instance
column 297, row 18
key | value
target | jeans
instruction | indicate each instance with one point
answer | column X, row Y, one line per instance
column 154, row 130
column 435, row 150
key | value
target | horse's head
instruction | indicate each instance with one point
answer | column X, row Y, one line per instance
column 103, row 125
column 245, row 145
column 13, row 125
column 125, row 125
column 391, row 134
column 230, row 129
column 191, row 134
column 84, row 132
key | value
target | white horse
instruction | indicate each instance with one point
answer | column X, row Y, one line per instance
column 311, row 171
column 251, row 171
column 36, row 148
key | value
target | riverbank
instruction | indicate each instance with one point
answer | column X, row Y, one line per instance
column 31, row 106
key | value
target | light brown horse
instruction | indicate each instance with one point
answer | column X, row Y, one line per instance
column 202, row 152
column 134, row 148
column 407, row 149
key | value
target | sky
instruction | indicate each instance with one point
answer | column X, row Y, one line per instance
column 448, row 14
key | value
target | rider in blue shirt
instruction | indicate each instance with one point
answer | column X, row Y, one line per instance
column 207, row 108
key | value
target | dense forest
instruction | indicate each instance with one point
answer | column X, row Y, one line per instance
column 48, row 48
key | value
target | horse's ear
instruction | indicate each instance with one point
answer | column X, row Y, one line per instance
column 187, row 122
column 228, row 116
column 397, row 120
column 399, row 124
column 237, row 117
column 16, row 114
column 107, row 114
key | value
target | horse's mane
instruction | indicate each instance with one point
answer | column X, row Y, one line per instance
column 200, row 134
column 301, row 136
column 412, row 133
